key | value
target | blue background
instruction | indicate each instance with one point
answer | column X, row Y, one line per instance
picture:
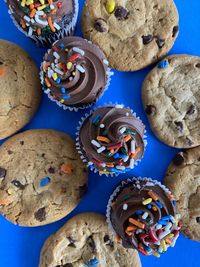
column 20, row 246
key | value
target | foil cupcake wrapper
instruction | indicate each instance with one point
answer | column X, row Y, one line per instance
column 78, row 145
column 150, row 181
column 43, row 41
column 109, row 74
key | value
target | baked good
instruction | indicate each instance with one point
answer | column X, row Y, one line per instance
column 134, row 33
column 41, row 177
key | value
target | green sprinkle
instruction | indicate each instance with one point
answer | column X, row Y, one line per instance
column 105, row 132
column 123, row 150
column 47, row 10
column 34, row 27
column 130, row 132
column 148, row 220
column 108, row 154
column 26, row 10
column 126, row 197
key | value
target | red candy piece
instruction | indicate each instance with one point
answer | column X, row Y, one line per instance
column 153, row 235
column 97, row 162
column 54, row 48
column 143, row 251
column 74, row 57
column 59, row 4
column 115, row 146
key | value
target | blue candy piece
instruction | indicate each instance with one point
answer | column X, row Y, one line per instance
column 149, row 206
column 58, row 81
column 96, row 119
column 162, row 222
column 62, row 45
column 66, row 97
column 174, row 202
column 163, row 64
column 63, row 91
column 92, row 263
column 159, row 204
column 116, row 156
column 138, row 212
column 45, row 181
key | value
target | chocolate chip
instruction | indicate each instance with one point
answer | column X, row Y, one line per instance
column 10, row 152
column 198, row 65
column 108, row 241
column 91, row 243
column 1, row 63
column 2, row 172
column 175, row 31
column 51, row 170
column 147, row 39
column 191, row 110
column 160, row 42
column 106, row 238
column 190, row 142
column 43, row 154
column 72, row 241
column 40, row 215
column 22, row 143
column 18, row 184
column 83, row 190
column 150, row 110
column 178, row 159
column 100, row 25
column 198, row 219
column 179, row 126
column 121, row 13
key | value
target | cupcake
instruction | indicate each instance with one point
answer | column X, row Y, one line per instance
column 44, row 21
column 143, row 214
column 111, row 139
column 74, row 73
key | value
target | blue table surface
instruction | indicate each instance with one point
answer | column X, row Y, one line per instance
column 20, row 246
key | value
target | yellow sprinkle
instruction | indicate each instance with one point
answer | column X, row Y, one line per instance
column 62, row 101
column 103, row 139
column 147, row 201
column 10, row 191
column 73, row 73
column 66, row 49
column 69, row 65
column 169, row 236
column 176, row 218
column 156, row 254
column 23, row 2
column 55, row 76
column 42, row 2
column 41, row 7
column 29, row 2
column 110, row 6
column 163, row 244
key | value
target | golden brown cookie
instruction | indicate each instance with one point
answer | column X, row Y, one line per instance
column 42, row 178
column 20, row 88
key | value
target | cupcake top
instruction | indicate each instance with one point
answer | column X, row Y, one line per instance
column 143, row 213
column 42, row 17
column 74, row 71
column 112, row 139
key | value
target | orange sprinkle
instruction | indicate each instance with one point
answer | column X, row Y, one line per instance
column 140, row 245
column 32, row 6
column 45, row 66
column 131, row 228
column 118, row 238
column 32, row 14
column 39, row 31
column 51, row 24
column 54, row 11
column 170, row 196
column 127, row 138
column 110, row 165
column 48, row 84
column 103, row 139
column 136, row 151
column 151, row 194
column 112, row 151
column 67, row 168
column 154, row 208
column 50, row 2
column 135, row 222
column 128, row 233
column 168, row 241
column 2, row 71
column 23, row 23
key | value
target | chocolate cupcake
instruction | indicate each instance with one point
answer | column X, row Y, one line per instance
column 44, row 21
column 74, row 73
column 111, row 139
column 143, row 213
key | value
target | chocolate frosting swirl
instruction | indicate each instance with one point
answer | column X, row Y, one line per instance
column 112, row 139
column 55, row 9
column 145, row 226
column 85, row 78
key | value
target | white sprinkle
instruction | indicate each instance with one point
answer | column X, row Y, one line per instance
column 56, row 55
column 132, row 146
column 56, row 60
column 30, row 31
column 105, row 61
column 168, row 226
column 59, row 71
column 160, row 250
column 27, row 18
column 131, row 166
column 39, row 21
column 70, row 78
column 125, row 206
column 125, row 159
column 80, row 68
column 174, row 241
column 138, row 231
column 118, row 167
column 78, row 50
column 103, row 165
column 102, row 126
column 101, row 149
column 149, row 184
column 145, row 215
column 122, row 130
column 32, row 20
column 95, row 143
column 127, row 114
column 27, row 24
column 119, row 106
column 40, row 12
column 165, row 233
column 158, row 226
column 47, row 91
column 52, row 65
column 90, row 163
column 52, row 7
column 56, row 26
column 50, row 72
column 172, row 219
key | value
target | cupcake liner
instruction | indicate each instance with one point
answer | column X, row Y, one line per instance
column 151, row 182
column 78, row 145
column 65, row 30
column 109, row 73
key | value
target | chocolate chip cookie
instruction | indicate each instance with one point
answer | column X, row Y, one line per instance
column 86, row 241
column 133, row 33
column 42, row 178
column 20, row 88
column 183, row 179
column 171, row 100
